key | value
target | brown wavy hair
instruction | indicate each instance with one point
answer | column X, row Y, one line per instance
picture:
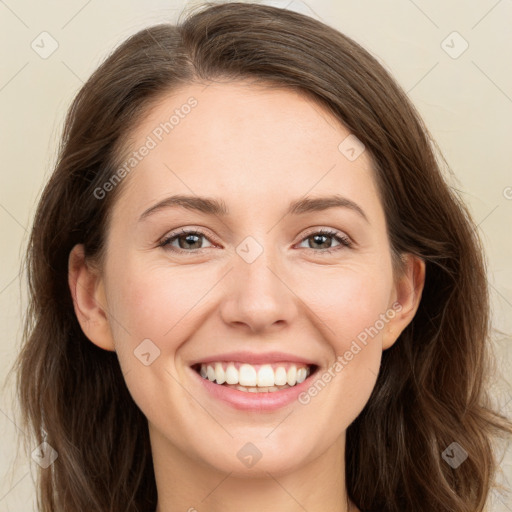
column 433, row 382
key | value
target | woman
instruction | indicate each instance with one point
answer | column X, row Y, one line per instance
column 251, row 286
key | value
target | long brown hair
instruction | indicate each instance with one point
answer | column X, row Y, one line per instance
column 431, row 390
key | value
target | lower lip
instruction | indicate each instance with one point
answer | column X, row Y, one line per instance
column 248, row 401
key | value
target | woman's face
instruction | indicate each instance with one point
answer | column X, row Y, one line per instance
column 255, row 283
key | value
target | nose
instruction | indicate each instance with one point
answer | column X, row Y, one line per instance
column 257, row 297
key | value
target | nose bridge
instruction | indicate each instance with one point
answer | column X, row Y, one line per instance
column 254, row 278
column 256, row 294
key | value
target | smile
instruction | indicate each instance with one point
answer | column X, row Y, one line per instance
column 255, row 378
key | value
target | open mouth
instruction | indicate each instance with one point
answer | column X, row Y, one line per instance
column 258, row 378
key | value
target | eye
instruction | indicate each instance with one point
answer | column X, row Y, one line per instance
column 192, row 241
column 324, row 238
column 186, row 239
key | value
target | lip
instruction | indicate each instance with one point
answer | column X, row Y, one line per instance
column 256, row 402
column 254, row 358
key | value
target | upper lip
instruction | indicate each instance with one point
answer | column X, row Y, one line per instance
column 255, row 358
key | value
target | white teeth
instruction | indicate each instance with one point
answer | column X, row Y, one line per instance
column 247, row 375
column 265, row 376
column 231, row 374
column 220, row 376
column 291, row 376
column 210, row 373
column 264, row 379
column 301, row 375
column 280, row 376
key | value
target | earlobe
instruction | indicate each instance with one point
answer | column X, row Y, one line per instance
column 407, row 297
column 89, row 302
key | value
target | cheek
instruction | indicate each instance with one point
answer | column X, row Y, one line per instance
column 155, row 310
column 151, row 310
column 153, row 302
column 349, row 301
column 354, row 334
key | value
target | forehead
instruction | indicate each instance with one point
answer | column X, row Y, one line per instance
column 244, row 142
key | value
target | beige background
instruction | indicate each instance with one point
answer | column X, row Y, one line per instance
column 465, row 98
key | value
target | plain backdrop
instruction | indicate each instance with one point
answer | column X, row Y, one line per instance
column 453, row 59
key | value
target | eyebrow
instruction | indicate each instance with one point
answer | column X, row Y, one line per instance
column 217, row 207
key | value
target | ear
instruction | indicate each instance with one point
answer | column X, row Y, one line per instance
column 89, row 300
column 406, row 298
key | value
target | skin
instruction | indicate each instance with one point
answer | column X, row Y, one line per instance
column 257, row 149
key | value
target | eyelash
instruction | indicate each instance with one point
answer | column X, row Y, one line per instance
column 344, row 241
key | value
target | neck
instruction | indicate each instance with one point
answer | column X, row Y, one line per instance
column 186, row 484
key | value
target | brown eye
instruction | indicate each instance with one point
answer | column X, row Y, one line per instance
column 186, row 241
column 325, row 241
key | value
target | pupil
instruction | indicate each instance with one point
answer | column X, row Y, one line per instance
column 318, row 238
column 189, row 239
